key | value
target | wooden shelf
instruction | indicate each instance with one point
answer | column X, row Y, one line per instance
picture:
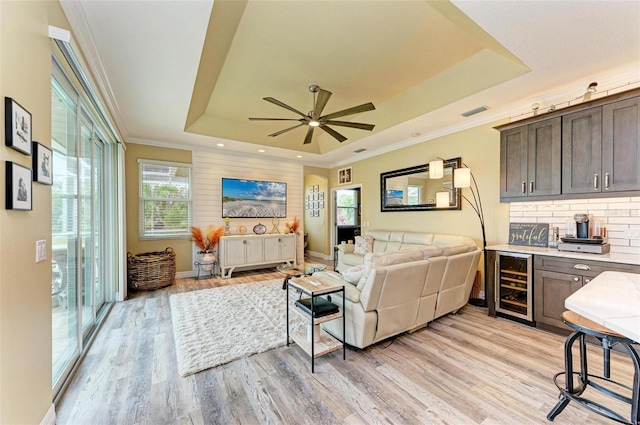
column 514, row 272
column 519, row 304
column 509, row 279
column 326, row 345
column 514, row 287
column 317, row 320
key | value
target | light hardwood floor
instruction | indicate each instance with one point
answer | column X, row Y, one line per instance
column 462, row 369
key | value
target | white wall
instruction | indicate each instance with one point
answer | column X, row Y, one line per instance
column 621, row 217
column 210, row 167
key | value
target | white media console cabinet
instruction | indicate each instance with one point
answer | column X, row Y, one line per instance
column 255, row 251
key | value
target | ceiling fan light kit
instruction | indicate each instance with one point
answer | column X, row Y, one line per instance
column 314, row 118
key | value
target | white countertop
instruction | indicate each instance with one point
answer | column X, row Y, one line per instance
column 610, row 257
column 612, row 299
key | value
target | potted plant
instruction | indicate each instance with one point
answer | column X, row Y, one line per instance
column 207, row 241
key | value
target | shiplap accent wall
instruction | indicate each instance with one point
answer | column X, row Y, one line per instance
column 210, row 167
column 621, row 217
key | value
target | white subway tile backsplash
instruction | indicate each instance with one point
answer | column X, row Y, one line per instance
column 626, row 250
column 614, row 200
column 578, row 201
column 624, row 220
column 618, row 215
column 598, row 206
column 625, row 206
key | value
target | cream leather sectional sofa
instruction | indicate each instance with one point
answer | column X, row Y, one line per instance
column 408, row 280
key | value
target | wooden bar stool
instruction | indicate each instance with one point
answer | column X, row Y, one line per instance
column 569, row 392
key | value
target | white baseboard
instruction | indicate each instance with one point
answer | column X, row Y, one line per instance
column 319, row 255
column 50, row 417
column 184, row 275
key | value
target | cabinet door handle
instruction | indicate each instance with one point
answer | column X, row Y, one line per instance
column 581, row 267
column 595, row 182
column 524, row 187
column 576, row 279
column 587, row 280
column 606, row 181
column 531, row 186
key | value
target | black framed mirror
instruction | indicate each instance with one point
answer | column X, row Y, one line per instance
column 411, row 189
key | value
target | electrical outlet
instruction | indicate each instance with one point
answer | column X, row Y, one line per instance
column 41, row 250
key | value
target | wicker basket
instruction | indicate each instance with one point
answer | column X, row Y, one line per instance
column 149, row 271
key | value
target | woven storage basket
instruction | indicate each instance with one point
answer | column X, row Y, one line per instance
column 148, row 271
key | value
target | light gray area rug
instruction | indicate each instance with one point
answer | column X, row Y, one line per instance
column 215, row 326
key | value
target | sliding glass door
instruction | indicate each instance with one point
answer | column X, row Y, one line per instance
column 64, row 238
column 78, row 211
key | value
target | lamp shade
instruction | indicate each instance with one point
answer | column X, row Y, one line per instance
column 442, row 200
column 462, row 177
column 436, row 169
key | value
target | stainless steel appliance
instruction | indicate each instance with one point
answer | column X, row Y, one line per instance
column 514, row 286
column 582, row 225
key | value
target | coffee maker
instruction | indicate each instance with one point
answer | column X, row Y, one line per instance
column 582, row 225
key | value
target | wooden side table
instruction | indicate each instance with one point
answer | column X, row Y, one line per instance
column 315, row 287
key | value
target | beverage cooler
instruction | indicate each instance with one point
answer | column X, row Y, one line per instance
column 514, row 286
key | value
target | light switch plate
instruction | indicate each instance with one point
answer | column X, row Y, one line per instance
column 41, row 250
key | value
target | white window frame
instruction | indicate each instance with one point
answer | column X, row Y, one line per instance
column 185, row 233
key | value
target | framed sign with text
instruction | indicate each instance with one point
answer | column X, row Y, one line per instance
column 529, row 234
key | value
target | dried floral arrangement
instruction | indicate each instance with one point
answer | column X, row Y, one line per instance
column 293, row 226
column 208, row 239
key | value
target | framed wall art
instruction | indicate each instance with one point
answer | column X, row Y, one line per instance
column 17, row 126
column 42, row 164
column 18, row 189
column 344, row 175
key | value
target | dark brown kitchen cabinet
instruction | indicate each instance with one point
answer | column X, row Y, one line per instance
column 555, row 279
column 621, row 145
column 589, row 148
column 530, row 158
column 551, row 290
column 601, row 148
column 582, row 151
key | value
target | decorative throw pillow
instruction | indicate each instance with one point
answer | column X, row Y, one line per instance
column 353, row 274
column 364, row 245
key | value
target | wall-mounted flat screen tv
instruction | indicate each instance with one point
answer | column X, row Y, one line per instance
column 253, row 198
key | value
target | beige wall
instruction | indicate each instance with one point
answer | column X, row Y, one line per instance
column 480, row 150
column 25, row 286
column 317, row 228
column 183, row 247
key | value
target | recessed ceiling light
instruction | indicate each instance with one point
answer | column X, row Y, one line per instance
column 261, row 150
column 298, row 156
column 220, row 144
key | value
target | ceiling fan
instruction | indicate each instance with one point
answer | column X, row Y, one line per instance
column 314, row 118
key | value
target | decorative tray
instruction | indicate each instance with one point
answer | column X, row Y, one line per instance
column 595, row 241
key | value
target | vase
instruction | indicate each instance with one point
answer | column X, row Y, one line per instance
column 207, row 260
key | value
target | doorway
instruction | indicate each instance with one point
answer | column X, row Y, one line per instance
column 347, row 215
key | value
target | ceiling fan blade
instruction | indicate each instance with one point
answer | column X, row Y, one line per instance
column 277, row 133
column 307, row 138
column 358, row 125
column 321, row 102
column 274, row 119
column 285, row 106
column 339, row 137
column 350, row 111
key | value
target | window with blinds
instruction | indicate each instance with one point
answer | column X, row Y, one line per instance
column 165, row 199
